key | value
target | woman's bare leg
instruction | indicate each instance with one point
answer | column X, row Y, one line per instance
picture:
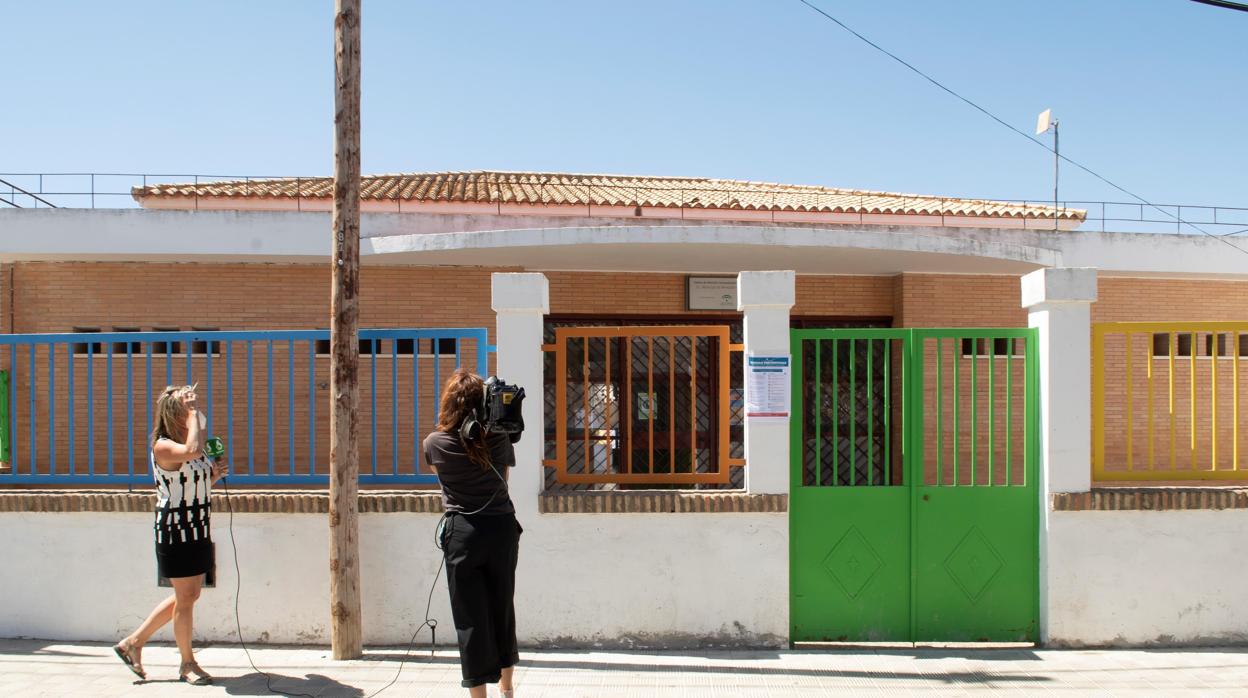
column 160, row 615
column 477, row 692
column 186, row 593
column 504, row 684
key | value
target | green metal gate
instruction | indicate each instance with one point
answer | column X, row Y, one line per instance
column 914, row 503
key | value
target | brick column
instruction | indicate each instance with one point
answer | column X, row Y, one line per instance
column 521, row 302
column 766, row 297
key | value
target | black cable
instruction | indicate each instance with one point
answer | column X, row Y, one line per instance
column 238, row 587
column 1006, row 124
column 432, row 623
column 1225, row 4
column 437, row 543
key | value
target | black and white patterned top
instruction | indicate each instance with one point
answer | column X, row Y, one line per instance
column 183, row 502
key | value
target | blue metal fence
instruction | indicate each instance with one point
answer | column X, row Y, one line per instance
column 80, row 405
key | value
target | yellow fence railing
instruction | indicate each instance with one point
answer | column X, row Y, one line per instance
column 1166, row 400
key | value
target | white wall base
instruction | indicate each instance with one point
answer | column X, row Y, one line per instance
column 643, row 580
column 1148, row 577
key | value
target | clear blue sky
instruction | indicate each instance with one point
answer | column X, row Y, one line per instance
column 1152, row 93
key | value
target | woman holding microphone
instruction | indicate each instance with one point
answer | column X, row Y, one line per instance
column 184, row 477
column 480, row 541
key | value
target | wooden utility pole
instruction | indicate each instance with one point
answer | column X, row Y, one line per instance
column 344, row 450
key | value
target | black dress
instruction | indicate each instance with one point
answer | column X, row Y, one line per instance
column 183, row 527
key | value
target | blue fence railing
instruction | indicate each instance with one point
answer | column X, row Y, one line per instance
column 78, row 407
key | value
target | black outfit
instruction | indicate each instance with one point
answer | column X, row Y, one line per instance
column 480, row 543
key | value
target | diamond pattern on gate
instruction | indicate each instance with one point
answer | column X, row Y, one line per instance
column 852, row 562
column 973, row 564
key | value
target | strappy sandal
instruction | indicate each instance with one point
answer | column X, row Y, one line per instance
column 125, row 652
column 201, row 677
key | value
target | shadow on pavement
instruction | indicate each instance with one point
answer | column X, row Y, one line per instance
column 745, row 668
column 254, row 684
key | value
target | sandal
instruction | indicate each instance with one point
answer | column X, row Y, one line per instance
column 125, row 652
column 201, row 677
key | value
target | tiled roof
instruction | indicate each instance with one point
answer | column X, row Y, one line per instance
column 608, row 190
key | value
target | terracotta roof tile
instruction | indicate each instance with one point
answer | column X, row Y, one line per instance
column 609, row 190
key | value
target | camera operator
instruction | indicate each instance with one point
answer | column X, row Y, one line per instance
column 480, row 540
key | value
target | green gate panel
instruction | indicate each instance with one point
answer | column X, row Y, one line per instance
column 913, row 502
column 851, row 564
column 974, row 569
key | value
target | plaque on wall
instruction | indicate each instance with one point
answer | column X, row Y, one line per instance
column 711, row 293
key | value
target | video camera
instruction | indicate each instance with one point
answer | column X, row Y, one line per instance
column 499, row 411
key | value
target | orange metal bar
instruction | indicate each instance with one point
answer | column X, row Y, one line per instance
column 650, row 394
column 725, row 385
column 606, row 387
column 587, row 455
column 671, row 405
column 627, row 415
column 693, row 404
column 561, row 406
column 721, row 473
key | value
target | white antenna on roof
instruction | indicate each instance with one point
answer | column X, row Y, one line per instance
column 1044, row 123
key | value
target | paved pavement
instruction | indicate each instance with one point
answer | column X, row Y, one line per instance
column 41, row 668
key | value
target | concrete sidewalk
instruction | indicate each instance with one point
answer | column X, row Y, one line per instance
column 41, row 668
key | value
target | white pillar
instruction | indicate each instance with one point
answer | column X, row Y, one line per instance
column 521, row 301
column 1059, row 302
column 766, row 297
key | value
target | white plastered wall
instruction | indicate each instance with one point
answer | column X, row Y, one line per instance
column 655, row 580
column 1148, row 577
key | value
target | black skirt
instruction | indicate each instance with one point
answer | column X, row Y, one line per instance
column 186, row 560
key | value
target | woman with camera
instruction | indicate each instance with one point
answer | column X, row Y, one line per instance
column 480, row 538
column 184, row 477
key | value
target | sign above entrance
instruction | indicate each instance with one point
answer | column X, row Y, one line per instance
column 711, row 293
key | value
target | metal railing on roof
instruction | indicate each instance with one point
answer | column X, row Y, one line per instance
column 114, row 191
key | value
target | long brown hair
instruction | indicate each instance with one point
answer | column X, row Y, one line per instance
column 463, row 392
column 169, row 420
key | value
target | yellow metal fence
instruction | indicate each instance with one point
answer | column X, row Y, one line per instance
column 1166, row 400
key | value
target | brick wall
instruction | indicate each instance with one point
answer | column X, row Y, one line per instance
column 55, row 297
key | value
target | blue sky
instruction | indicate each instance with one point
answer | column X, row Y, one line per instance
column 1151, row 93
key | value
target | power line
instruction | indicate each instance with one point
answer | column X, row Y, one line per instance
column 1225, row 4
column 1006, row 124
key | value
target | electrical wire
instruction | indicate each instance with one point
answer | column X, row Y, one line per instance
column 1224, row 4
column 238, row 587
column 432, row 623
column 1020, row 132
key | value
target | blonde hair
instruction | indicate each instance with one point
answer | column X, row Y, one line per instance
column 170, row 417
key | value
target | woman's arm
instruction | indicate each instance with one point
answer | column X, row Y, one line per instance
column 169, row 454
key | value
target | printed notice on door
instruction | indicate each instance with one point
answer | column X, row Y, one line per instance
column 767, row 387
